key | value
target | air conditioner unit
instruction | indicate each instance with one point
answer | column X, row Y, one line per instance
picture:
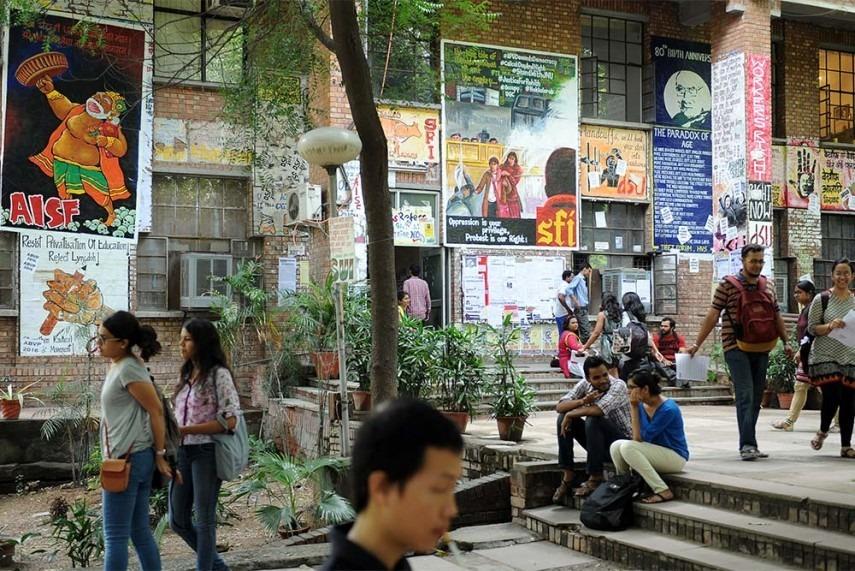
column 303, row 204
column 234, row 8
column 198, row 283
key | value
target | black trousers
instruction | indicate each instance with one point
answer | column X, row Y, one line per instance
column 595, row 434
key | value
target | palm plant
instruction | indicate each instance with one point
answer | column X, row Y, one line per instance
column 73, row 418
column 461, row 369
column 419, row 356
column 357, row 331
column 281, row 477
column 314, row 314
column 513, row 395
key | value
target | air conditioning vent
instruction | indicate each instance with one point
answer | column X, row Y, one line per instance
column 303, row 204
column 198, row 283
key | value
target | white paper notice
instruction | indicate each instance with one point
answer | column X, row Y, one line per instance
column 813, row 204
column 30, row 263
column 620, row 170
column 618, row 242
column 846, row 335
column 735, row 262
column 722, row 267
column 667, row 215
column 694, row 265
column 692, row 368
column 287, row 277
column 601, row 246
column 710, row 225
column 600, row 219
column 636, row 248
column 593, row 179
column 683, row 234
column 731, row 233
column 722, row 226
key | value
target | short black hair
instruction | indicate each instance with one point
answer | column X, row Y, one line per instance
column 566, row 274
column 671, row 322
column 841, row 261
column 415, row 270
column 808, row 287
column 401, row 294
column 394, row 440
column 593, row 362
column 751, row 248
column 645, row 377
column 586, row 266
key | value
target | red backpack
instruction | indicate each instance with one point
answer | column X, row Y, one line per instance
column 756, row 323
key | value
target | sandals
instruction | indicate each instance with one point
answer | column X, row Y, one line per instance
column 587, row 488
column 657, row 498
column 561, row 491
column 818, row 440
column 784, row 424
column 848, row 452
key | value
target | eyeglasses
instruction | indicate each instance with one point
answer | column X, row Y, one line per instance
column 100, row 339
column 630, row 387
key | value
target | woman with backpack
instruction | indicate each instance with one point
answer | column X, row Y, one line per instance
column 568, row 342
column 658, row 444
column 206, row 403
column 133, row 429
column 832, row 362
column 608, row 320
column 634, row 313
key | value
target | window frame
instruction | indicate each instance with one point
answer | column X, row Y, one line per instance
column 822, row 265
column 592, row 206
column 827, row 94
column 13, row 270
column 198, row 207
column 165, row 274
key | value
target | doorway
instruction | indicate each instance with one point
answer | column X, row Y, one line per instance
column 431, row 261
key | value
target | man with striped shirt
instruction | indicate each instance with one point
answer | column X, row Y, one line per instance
column 747, row 368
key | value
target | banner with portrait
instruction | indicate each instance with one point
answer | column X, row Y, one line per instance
column 510, row 135
column 613, row 163
column 77, row 127
column 682, row 72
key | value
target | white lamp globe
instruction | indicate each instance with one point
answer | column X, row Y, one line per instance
column 329, row 146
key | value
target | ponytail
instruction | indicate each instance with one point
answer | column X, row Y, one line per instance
column 124, row 325
column 147, row 342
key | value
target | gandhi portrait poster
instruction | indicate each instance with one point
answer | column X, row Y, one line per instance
column 683, row 74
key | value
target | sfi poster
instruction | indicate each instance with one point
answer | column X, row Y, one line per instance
column 511, row 135
column 682, row 72
column 69, row 283
column 613, row 163
column 77, row 127
column 412, row 135
column 838, row 180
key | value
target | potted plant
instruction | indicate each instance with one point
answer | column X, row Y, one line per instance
column 357, row 331
column 12, row 400
column 781, row 375
column 314, row 318
column 514, row 400
column 461, row 373
column 419, row 356
column 282, row 481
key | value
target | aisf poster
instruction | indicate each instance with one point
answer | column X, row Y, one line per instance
column 73, row 122
column 69, row 283
column 511, row 138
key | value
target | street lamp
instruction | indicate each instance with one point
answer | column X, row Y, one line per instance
column 330, row 147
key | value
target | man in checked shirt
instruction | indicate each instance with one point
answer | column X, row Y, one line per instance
column 419, row 293
column 594, row 413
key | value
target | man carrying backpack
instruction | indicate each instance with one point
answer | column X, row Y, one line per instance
column 750, row 329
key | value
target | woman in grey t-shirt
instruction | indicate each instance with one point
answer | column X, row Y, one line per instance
column 132, row 426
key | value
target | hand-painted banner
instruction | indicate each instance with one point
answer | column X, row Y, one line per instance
column 511, row 134
column 779, row 176
column 412, row 134
column 69, row 283
column 802, row 173
column 730, row 212
column 682, row 173
column 613, row 163
column 414, row 226
column 838, row 180
column 76, row 149
column 758, row 111
column 682, row 72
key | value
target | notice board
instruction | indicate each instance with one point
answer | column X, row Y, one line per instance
column 522, row 286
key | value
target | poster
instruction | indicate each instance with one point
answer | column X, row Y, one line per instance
column 779, row 175
column 71, row 282
column 521, row 286
column 730, row 209
column 510, row 134
column 342, row 250
column 412, row 135
column 760, row 213
column 758, row 111
column 802, row 171
column 414, row 226
column 682, row 83
column 287, row 278
column 838, row 180
column 77, row 128
column 349, row 193
column 682, row 171
column 613, row 163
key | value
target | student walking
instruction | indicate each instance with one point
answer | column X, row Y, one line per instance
column 608, row 321
column 419, row 293
column 206, row 403
column 132, row 427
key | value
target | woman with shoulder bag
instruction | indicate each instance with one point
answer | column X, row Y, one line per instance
column 132, row 440
column 205, row 400
column 832, row 361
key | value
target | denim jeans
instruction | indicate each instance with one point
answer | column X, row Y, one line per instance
column 581, row 314
column 126, row 517
column 197, row 496
column 595, row 434
column 559, row 321
column 748, row 371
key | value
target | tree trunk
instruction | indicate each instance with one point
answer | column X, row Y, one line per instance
column 374, row 169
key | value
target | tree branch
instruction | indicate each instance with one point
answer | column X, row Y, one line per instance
column 314, row 27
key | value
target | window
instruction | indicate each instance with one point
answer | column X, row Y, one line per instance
column 623, row 232
column 783, row 267
column 665, row 283
column 152, row 275
column 192, row 42
column 8, row 270
column 836, row 96
column 838, row 241
column 611, row 68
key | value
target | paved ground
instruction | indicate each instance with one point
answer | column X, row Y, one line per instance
column 712, row 436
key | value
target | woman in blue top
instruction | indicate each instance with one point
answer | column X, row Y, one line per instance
column 658, row 444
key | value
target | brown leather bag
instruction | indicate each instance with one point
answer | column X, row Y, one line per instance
column 115, row 472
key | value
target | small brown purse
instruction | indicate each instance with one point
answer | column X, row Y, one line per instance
column 115, row 472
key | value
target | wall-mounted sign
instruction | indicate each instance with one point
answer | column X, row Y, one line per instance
column 682, row 72
column 613, row 163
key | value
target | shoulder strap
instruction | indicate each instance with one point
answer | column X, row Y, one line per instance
column 735, row 282
column 824, row 298
column 106, row 435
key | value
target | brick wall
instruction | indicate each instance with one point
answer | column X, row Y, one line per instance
column 804, row 242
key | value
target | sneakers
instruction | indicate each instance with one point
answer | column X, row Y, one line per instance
column 561, row 491
column 749, row 453
column 784, row 424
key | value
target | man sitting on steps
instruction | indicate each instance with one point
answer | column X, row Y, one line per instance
column 595, row 413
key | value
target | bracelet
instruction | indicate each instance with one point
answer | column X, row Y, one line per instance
column 52, row 95
column 161, row 453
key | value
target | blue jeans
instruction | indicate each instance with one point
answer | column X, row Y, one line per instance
column 748, row 371
column 559, row 321
column 198, row 493
column 126, row 517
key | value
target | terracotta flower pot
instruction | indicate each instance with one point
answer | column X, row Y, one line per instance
column 10, row 409
column 784, row 400
column 511, row 427
column 767, row 398
column 361, row 400
column 326, row 364
column 285, row 532
column 460, row 419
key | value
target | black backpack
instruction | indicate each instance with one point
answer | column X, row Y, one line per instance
column 609, row 507
column 807, row 341
column 630, row 341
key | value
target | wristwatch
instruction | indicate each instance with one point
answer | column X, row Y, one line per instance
column 161, row 453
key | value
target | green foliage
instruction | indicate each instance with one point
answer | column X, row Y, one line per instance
column 281, row 478
column 79, row 534
column 357, row 332
column 419, row 357
column 515, row 398
column 72, row 418
column 461, row 369
column 18, row 394
column 313, row 314
column 781, row 373
column 717, row 363
column 513, row 395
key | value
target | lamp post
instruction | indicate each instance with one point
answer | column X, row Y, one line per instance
column 330, row 147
